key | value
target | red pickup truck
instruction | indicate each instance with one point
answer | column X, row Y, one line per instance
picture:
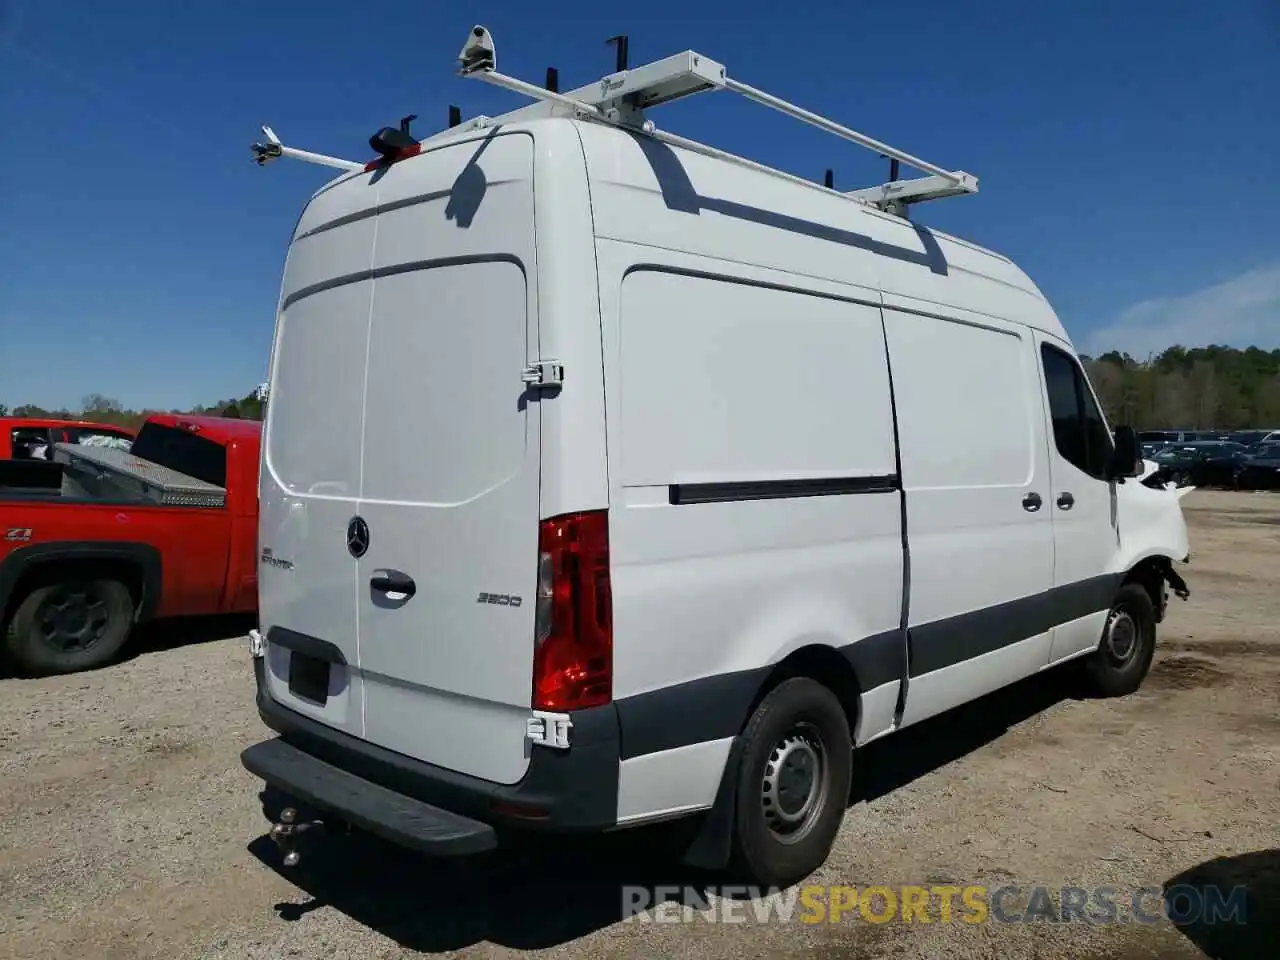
column 98, row 539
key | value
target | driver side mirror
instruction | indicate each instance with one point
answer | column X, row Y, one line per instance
column 1127, row 459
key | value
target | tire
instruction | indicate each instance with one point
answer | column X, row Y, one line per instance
column 799, row 725
column 1123, row 658
column 68, row 626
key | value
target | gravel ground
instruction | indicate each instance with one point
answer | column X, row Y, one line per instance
column 128, row 827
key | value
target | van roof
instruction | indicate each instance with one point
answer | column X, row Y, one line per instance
column 613, row 113
column 959, row 274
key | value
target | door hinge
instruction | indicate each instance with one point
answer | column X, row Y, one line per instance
column 549, row 729
column 545, row 374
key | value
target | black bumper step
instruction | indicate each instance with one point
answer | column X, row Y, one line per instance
column 366, row 805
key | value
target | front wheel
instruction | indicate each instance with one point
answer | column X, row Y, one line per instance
column 68, row 626
column 1123, row 658
column 793, row 783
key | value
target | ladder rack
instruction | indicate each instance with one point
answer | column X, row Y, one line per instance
column 621, row 99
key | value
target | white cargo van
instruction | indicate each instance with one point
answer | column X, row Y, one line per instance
column 608, row 478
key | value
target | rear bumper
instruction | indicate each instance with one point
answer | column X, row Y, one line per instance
column 362, row 804
column 431, row 808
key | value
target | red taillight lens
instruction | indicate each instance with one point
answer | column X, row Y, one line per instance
column 573, row 656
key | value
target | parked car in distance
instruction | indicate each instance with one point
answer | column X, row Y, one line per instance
column 1261, row 471
column 1247, row 437
column 1179, row 436
column 32, row 438
column 99, row 540
column 1201, row 463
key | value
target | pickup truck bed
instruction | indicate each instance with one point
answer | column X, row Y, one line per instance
column 102, row 539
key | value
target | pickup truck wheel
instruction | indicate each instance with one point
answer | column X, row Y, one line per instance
column 69, row 626
column 1123, row 657
column 793, row 784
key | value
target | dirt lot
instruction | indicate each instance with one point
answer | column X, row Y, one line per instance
column 129, row 829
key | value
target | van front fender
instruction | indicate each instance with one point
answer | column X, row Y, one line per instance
column 1151, row 524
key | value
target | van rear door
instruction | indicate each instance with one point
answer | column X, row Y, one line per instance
column 450, row 461
column 310, row 480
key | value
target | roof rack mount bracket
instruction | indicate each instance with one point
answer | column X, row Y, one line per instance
column 896, row 195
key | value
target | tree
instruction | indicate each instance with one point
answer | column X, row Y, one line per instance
column 98, row 403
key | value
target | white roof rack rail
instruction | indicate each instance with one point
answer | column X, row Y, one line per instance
column 621, row 99
column 273, row 149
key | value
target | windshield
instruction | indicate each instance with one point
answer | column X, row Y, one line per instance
column 182, row 451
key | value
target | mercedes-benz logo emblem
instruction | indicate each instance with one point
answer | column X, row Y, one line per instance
column 357, row 537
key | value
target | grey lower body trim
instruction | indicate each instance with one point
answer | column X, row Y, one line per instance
column 944, row 643
column 711, row 708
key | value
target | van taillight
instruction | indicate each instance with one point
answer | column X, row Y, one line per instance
column 573, row 653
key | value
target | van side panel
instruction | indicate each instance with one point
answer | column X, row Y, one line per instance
column 973, row 446
column 754, row 504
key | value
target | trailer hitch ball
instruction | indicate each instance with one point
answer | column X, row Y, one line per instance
column 286, row 833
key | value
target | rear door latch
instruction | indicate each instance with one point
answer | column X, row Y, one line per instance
column 544, row 375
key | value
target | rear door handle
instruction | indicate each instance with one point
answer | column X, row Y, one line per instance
column 393, row 581
column 1031, row 502
column 1066, row 501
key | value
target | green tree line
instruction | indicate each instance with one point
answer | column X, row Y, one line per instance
column 1205, row 388
column 103, row 409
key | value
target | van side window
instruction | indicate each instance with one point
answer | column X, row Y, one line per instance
column 1079, row 430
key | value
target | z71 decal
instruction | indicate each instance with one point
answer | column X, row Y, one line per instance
column 502, row 599
column 17, row 535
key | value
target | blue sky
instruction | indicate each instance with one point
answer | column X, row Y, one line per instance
column 1127, row 151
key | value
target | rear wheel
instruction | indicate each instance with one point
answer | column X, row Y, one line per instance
column 71, row 625
column 793, row 783
column 1122, row 659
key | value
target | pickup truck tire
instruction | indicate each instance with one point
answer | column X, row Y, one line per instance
column 1123, row 658
column 793, row 784
column 69, row 625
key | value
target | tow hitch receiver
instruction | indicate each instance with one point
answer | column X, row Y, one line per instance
column 288, row 830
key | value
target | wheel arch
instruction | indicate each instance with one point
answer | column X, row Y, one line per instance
column 819, row 662
column 1152, row 571
column 710, row 849
column 137, row 565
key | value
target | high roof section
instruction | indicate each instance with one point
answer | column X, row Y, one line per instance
column 623, row 100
